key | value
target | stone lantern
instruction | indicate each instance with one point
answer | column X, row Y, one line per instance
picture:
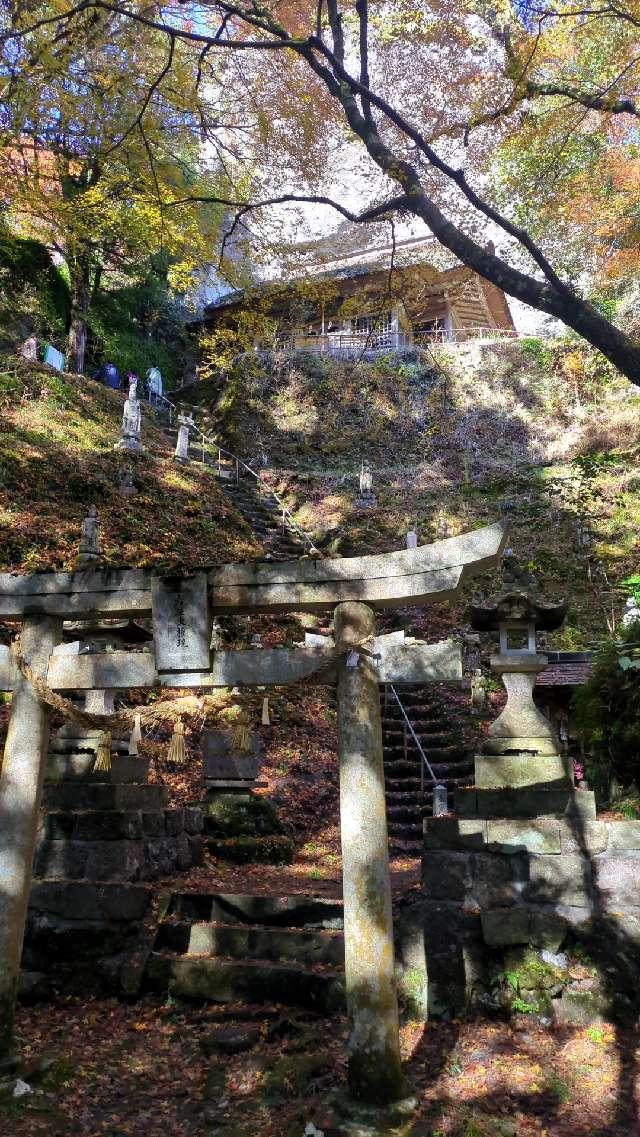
column 517, row 615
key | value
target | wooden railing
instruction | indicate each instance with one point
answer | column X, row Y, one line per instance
column 350, row 345
column 345, row 344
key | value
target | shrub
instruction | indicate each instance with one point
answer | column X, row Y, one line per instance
column 607, row 714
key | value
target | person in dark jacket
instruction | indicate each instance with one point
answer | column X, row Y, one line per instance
column 109, row 375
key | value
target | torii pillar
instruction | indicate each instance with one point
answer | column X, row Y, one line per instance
column 375, row 1074
column 20, row 792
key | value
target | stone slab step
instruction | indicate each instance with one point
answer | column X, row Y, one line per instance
column 87, row 901
column 125, row 769
column 71, row 795
column 255, row 981
column 120, row 824
column 525, row 802
column 241, row 941
column 407, row 832
column 293, row 911
column 115, row 859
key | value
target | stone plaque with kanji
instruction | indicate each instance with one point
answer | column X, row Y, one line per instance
column 181, row 623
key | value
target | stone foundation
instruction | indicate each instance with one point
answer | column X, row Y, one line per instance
column 102, row 837
column 495, row 884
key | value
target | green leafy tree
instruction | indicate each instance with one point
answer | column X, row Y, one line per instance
column 607, row 713
column 97, row 135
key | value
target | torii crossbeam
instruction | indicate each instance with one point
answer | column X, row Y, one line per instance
column 182, row 608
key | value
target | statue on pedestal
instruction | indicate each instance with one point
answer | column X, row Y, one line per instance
column 131, row 422
column 366, row 498
column 89, row 550
column 185, row 424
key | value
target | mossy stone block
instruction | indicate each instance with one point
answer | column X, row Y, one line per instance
column 624, row 836
column 558, row 880
column 454, row 833
column 528, row 802
column 502, row 927
column 275, row 850
column 522, row 770
column 240, row 815
column 529, row 836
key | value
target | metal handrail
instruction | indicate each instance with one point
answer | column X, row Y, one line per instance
column 205, row 440
column 153, row 398
column 413, row 734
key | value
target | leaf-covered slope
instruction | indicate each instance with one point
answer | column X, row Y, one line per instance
column 545, row 433
column 57, row 457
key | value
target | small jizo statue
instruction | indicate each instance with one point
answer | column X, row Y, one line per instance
column 126, row 484
column 131, row 423
column 366, row 498
column 366, row 478
column 185, row 424
column 478, row 691
column 90, row 537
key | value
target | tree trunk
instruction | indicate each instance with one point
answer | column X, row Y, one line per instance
column 20, row 790
column 80, row 299
column 562, row 302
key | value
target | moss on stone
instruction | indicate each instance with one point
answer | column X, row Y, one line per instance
column 275, row 850
column 240, row 815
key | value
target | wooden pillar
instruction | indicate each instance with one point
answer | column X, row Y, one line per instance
column 375, row 1074
column 20, row 791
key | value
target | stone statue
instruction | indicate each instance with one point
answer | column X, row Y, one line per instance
column 478, row 691
column 126, row 484
column 131, row 422
column 631, row 614
column 133, row 388
column 185, row 423
column 90, row 538
column 29, row 348
column 366, row 498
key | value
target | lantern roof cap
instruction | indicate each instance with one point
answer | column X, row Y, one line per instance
column 515, row 604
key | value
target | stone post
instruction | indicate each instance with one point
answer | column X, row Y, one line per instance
column 20, row 790
column 375, row 1074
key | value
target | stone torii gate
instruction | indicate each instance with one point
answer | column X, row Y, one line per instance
column 182, row 609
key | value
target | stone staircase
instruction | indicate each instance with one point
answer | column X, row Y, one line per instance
column 239, row 947
column 102, row 837
column 408, row 799
column 248, row 495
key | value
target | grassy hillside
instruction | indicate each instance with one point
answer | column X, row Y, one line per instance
column 57, row 457
column 546, row 434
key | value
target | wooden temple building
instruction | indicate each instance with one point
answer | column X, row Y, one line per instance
column 366, row 300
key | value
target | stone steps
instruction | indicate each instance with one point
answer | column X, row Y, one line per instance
column 98, row 841
column 410, row 798
column 77, row 795
column 124, row 860
column 231, row 947
column 260, row 508
column 255, row 981
column 242, row 941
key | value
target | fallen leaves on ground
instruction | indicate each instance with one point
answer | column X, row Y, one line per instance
column 117, row 1070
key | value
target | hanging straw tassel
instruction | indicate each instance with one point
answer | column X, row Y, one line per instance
column 266, row 721
column 103, row 753
column 176, row 746
column 136, row 735
column 241, row 734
